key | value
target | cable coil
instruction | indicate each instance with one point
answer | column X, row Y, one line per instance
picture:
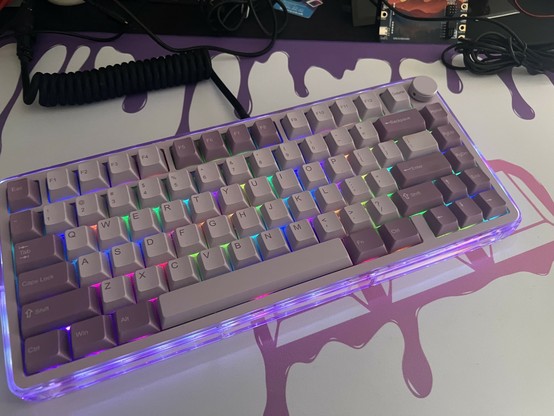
column 113, row 81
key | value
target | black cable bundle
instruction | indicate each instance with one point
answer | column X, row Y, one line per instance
column 113, row 81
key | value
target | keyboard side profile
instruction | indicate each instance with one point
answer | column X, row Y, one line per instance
column 116, row 261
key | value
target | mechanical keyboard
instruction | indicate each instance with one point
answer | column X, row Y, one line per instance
column 116, row 261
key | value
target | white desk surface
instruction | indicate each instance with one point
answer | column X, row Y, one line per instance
column 470, row 336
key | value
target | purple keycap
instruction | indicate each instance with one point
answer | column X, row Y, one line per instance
column 491, row 204
column 47, row 350
column 364, row 245
column 417, row 198
column 421, row 169
column 25, row 225
column 135, row 321
column 441, row 220
column 212, row 146
column 58, row 311
column 451, row 187
column 185, row 153
column 434, row 115
column 396, row 125
column 40, row 252
column 22, row 194
column 446, row 137
column 475, row 180
column 460, row 158
column 92, row 335
column 239, row 140
column 467, row 212
column 265, row 133
column 400, row 233
column 45, row 282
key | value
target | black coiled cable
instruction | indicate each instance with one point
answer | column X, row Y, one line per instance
column 113, row 81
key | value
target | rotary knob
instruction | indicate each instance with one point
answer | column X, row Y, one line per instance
column 423, row 89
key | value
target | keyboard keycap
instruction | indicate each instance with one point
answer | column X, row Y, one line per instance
column 93, row 268
column 460, row 158
column 202, row 207
column 92, row 176
column 368, row 105
column 149, row 283
column 151, row 162
column 46, row 350
column 339, row 141
column 262, row 163
column 396, row 98
column 446, row 137
column 441, row 220
column 388, row 154
column 363, row 161
column 45, row 282
column 265, row 133
column 58, row 217
column 417, row 145
column 37, row 253
column 22, row 194
column 180, row 185
column 435, row 115
column 126, row 258
column 25, row 225
column 394, row 126
column 111, row 232
column 381, row 210
column 400, row 233
column 491, row 204
column 320, row 118
column 189, row 240
column 247, row 222
column 235, row 170
column 451, row 187
column 467, row 212
column 135, row 321
column 354, row 218
column 212, row 146
column 417, row 198
column 314, row 148
column 296, row 125
column 116, row 293
column 327, row 226
column 80, row 241
column 191, row 302
column 91, row 336
column 151, row 192
column 61, row 184
column 344, row 111
column 208, row 177
column 288, row 155
column 381, row 182
column 122, row 199
column 363, row 245
column 158, row 249
column 300, row 235
column 173, row 215
column 231, row 198
column 185, row 153
column 122, row 168
column 275, row 214
column 422, row 169
column 312, row 176
column 258, row 191
column 182, row 272
column 57, row 311
column 213, row 262
column 239, row 140
column 143, row 223
column 364, row 134
column 475, row 180
column 90, row 209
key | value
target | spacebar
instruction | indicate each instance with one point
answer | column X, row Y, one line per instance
column 221, row 292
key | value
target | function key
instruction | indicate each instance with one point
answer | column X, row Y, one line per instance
column 122, row 168
column 320, row 118
column 151, row 162
column 296, row 125
column 460, row 158
column 92, row 176
column 239, row 140
column 467, row 212
column 25, row 225
column 476, row 180
column 345, row 112
column 393, row 126
column 61, row 184
column 435, row 115
column 265, row 133
column 364, row 245
column 396, row 99
column 212, row 146
column 491, row 204
column 441, row 220
column 368, row 105
column 446, row 136
column 22, row 194
column 185, row 153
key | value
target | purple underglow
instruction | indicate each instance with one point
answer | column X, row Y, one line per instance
column 152, row 348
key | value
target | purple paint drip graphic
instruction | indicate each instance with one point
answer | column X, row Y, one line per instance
column 334, row 57
column 358, row 332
